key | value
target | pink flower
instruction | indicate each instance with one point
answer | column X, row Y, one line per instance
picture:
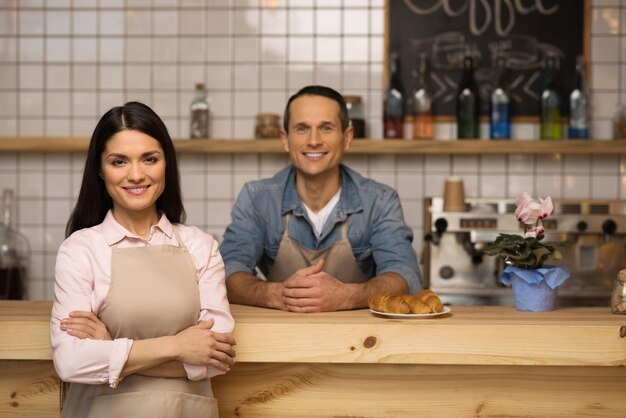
column 522, row 203
column 546, row 207
column 530, row 211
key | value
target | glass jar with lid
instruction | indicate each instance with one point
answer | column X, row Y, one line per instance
column 618, row 297
column 267, row 125
column 356, row 115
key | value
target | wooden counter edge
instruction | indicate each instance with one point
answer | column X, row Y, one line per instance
column 274, row 336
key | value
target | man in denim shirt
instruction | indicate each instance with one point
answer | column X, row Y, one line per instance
column 346, row 239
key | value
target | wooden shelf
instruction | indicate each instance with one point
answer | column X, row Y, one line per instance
column 360, row 146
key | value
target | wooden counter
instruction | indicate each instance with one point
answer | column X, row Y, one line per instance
column 477, row 361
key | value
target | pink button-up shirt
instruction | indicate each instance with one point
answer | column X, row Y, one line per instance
column 83, row 278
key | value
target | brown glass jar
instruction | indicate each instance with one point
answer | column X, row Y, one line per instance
column 267, row 126
column 618, row 297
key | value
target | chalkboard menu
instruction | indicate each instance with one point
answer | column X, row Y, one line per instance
column 524, row 31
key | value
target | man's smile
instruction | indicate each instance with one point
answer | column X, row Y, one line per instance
column 314, row 155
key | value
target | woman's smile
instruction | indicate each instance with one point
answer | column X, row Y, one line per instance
column 136, row 190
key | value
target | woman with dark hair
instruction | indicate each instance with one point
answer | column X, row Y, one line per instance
column 140, row 320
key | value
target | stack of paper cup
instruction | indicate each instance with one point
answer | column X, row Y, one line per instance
column 454, row 195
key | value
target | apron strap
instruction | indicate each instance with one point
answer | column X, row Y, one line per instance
column 181, row 244
column 287, row 220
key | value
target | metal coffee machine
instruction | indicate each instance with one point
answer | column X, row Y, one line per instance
column 455, row 267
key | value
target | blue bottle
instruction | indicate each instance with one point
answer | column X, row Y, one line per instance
column 500, row 105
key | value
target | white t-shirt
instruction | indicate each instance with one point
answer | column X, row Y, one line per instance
column 319, row 219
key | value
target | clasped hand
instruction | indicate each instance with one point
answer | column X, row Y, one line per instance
column 199, row 345
column 312, row 290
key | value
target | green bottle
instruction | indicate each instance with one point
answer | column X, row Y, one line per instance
column 467, row 103
column 550, row 101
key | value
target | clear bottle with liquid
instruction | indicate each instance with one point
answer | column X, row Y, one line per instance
column 578, row 124
column 393, row 113
column 199, row 127
column 500, row 104
column 550, row 124
column 422, row 102
column 14, row 252
column 468, row 103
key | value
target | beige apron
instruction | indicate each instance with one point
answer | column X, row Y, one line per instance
column 338, row 258
column 153, row 293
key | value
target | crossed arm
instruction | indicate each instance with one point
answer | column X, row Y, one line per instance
column 163, row 356
column 84, row 352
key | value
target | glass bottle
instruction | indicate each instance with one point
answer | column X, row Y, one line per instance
column 618, row 296
column 14, row 252
column 199, row 114
column 356, row 115
column 550, row 101
column 499, row 104
column 468, row 103
column 393, row 115
column 422, row 102
column 619, row 122
column 578, row 126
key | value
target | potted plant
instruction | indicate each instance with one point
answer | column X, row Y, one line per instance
column 534, row 284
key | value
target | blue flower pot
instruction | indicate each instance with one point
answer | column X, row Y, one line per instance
column 533, row 297
column 534, row 290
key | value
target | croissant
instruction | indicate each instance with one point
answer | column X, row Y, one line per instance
column 415, row 305
column 431, row 299
column 389, row 303
column 424, row 302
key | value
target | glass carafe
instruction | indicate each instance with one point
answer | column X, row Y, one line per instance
column 199, row 127
column 14, row 252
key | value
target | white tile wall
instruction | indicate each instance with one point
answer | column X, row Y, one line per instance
column 63, row 63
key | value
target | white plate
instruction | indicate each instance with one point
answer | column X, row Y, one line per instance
column 446, row 310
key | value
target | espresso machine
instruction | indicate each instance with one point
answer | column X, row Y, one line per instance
column 454, row 265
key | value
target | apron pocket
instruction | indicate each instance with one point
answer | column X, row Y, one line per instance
column 153, row 404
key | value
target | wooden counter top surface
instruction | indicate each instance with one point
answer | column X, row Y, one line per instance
column 485, row 335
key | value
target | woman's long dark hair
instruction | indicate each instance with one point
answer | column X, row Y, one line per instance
column 93, row 200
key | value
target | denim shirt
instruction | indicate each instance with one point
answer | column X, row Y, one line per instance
column 380, row 240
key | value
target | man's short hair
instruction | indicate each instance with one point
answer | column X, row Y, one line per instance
column 324, row 92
